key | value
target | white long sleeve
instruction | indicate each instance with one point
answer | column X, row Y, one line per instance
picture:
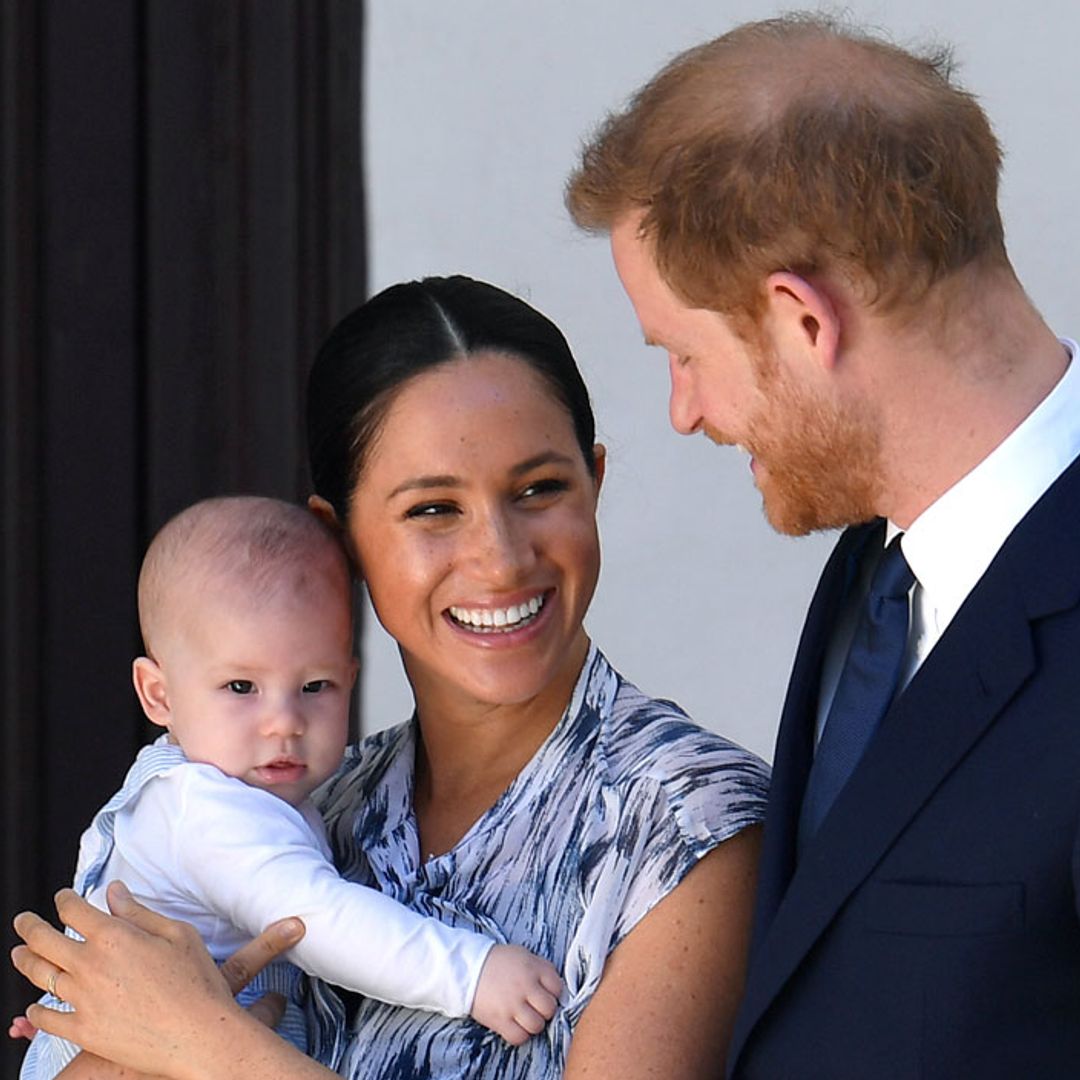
column 231, row 859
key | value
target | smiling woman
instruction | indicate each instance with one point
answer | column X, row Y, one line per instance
column 535, row 796
column 536, row 793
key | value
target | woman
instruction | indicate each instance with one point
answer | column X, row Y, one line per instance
column 535, row 795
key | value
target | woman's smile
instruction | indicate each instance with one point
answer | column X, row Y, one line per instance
column 499, row 620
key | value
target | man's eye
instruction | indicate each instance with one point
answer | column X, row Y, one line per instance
column 316, row 686
column 241, row 686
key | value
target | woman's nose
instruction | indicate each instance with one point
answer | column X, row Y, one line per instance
column 683, row 408
column 503, row 546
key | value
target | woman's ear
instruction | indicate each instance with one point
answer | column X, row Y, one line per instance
column 152, row 690
column 324, row 512
column 328, row 516
column 599, row 464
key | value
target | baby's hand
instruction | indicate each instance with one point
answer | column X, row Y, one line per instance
column 517, row 994
column 21, row 1028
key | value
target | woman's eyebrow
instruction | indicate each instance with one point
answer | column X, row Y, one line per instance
column 422, row 483
column 548, row 457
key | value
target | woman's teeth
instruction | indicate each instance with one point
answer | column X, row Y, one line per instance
column 497, row 620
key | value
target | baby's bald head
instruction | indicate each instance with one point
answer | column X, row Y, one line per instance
column 248, row 545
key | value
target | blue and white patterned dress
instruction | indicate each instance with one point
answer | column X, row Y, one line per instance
column 620, row 802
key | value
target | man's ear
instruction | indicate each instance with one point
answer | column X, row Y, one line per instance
column 152, row 690
column 801, row 316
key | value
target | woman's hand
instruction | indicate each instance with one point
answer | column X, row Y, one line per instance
column 148, row 996
column 666, row 1003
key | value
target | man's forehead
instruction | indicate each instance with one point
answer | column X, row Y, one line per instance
column 627, row 236
column 637, row 270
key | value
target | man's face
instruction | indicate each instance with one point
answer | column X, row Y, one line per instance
column 813, row 457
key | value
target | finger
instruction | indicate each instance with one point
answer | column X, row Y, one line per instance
column 124, row 906
column 52, row 1021
column 42, row 973
column 544, row 1002
column 21, row 1028
column 31, row 966
column 268, row 1010
column 528, row 1018
column 552, row 982
column 80, row 914
column 248, row 961
column 516, row 1035
column 45, row 941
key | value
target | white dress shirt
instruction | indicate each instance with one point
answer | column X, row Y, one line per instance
column 952, row 542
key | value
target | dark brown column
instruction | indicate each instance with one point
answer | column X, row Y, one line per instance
column 182, row 222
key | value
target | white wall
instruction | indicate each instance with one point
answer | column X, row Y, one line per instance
column 474, row 113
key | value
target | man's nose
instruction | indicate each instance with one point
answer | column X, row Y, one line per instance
column 682, row 405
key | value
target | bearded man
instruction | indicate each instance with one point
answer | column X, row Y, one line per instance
column 805, row 219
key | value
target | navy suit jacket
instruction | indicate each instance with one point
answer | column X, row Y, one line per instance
column 930, row 929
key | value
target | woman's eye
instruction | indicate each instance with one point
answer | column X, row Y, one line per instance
column 423, row 510
column 549, row 486
column 316, row 686
column 241, row 686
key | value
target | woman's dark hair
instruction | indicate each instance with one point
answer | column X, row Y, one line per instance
column 404, row 331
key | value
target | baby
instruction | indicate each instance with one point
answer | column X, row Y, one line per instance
column 244, row 605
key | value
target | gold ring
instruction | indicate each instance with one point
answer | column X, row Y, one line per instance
column 51, row 986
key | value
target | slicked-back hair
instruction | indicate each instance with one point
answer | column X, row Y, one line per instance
column 404, row 331
column 803, row 144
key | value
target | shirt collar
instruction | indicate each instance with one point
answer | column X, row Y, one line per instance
column 950, row 545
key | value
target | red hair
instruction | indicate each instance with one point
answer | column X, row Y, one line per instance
column 799, row 144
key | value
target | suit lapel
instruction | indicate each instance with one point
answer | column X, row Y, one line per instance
column 794, row 744
column 977, row 667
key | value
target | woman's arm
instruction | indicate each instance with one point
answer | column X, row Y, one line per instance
column 666, row 1003
column 148, row 996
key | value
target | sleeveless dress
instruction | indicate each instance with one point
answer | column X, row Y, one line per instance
column 615, row 808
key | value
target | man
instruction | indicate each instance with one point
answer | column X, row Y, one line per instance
column 805, row 218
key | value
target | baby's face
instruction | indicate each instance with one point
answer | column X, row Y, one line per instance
column 260, row 687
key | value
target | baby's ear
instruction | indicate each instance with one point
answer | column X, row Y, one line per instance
column 153, row 693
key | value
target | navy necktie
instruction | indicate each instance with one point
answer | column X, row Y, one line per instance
column 866, row 687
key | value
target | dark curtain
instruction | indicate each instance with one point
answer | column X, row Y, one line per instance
column 182, row 223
